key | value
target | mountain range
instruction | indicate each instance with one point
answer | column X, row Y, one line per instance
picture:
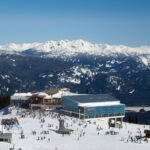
column 122, row 71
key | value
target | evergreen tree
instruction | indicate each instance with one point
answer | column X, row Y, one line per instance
column 136, row 119
column 132, row 120
column 87, row 91
column 4, row 101
column 129, row 119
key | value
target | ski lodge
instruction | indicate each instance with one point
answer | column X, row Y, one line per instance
column 102, row 108
column 47, row 99
column 20, row 99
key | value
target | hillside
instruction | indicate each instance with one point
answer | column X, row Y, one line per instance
column 79, row 65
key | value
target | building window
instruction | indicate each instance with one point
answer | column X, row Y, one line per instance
column 46, row 101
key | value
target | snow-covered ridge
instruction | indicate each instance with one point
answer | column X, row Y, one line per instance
column 71, row 48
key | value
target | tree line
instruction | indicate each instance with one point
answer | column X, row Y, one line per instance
column 133, row 119
column 4, row 101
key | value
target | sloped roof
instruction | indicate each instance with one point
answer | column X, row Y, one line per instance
column 56, row 90
column 91, row 98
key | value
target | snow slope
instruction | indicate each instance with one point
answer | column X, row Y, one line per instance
column 90, row 141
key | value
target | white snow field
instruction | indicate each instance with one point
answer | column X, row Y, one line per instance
column 86, row 136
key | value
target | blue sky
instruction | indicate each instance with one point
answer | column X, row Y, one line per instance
column 124, row 22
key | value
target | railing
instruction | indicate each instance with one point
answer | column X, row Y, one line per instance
column 44, row 106
column 104, row 115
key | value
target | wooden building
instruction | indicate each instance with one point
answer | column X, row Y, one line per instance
column 48, row 99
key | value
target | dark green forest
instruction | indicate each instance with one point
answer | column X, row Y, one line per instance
column 4, row 101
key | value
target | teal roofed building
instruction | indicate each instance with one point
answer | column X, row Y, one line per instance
column 94, row 107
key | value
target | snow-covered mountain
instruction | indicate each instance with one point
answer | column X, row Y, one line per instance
column 79, row 65
column 65, row 49
column 76, row 46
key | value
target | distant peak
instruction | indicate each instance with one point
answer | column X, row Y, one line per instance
column 69, row 48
